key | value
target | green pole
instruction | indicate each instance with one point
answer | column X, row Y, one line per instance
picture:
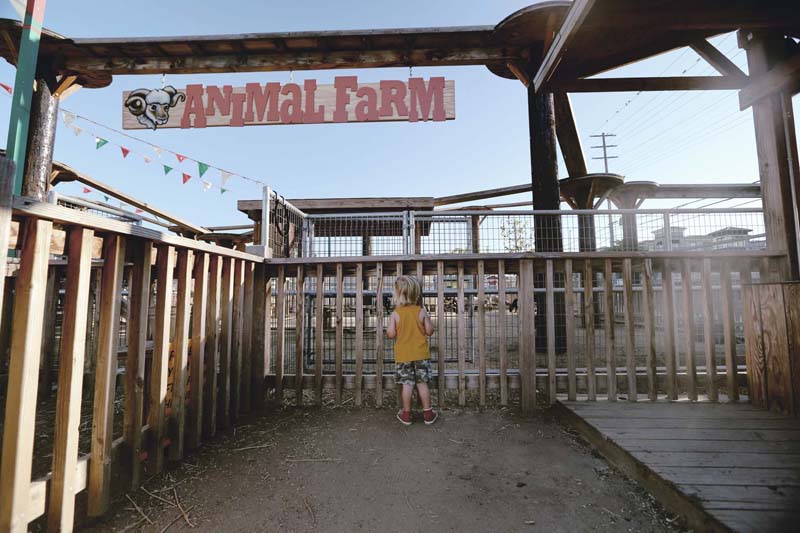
column 17, row 142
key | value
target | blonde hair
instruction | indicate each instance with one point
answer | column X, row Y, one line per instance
column 407, row 291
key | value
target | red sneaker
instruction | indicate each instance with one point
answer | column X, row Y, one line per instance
column 404, row 417
column 430, row 416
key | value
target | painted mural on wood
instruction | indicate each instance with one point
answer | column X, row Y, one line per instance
column 273, row 103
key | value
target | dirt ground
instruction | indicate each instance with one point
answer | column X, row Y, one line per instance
column 348, row 469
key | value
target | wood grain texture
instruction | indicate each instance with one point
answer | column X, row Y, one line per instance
column 501, row 331
column 441, row 332
column 670, row 355
column 106, row 375
column 237, row 334
column 689, row 329
column 461, row 337
column 481, row 303
column 550, row 307
column 527, row 338
column 791, row 298
column 589, row 327
column 728, row 332
column 359, row 340
column 775, row 335
column 177, row 418
column 754, row 347
column 630, row 329
column 61, row 509
column 248, row 328
column 648, row 316
column 300, row 336
column 260, row 335
column 708, row 333
column 194, row 412
column 212, row 347
column 225, row 344
column 339, row 340
column 280, row 332
column 608, row 326
column 569, row 305
column 379, row 352
column 319, row 334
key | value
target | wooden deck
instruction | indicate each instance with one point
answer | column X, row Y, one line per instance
column 720, row 466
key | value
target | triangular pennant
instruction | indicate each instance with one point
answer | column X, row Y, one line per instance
column 7, row 88
column 202, row 167
column 106, row 198
column 139, row 211
column 147, row 159
column 69, row 118
column 224, row 177
column 222, row 190
column 166, row 169
column 86, row 190
column 206, row 185
column 99, row 142
column 157, row 150
column 125, row 152
column 186, row 177
column 77, row 130
column 180, row 158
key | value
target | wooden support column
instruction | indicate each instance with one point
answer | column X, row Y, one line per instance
column 180, row 345
column 260, row 338
column 475, row 234
column 194, row 428
column 41, row 139
column 527, row 336
column 544, row 170
column 777, row 153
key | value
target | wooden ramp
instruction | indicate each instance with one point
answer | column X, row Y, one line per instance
column 720, row 466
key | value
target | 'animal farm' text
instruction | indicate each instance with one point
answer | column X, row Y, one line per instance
column 346, row 100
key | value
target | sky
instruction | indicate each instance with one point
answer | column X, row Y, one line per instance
column 683, row 137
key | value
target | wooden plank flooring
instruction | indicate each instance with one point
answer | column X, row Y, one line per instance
column 720, row 466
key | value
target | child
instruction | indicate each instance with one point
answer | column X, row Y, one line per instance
column 411, row 325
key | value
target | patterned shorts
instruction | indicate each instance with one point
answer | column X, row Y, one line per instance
column 413, row 372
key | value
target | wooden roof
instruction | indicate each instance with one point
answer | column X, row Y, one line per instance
column 597, row 36
column 95, row 61
column 321, row 206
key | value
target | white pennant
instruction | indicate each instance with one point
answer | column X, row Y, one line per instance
column 77, row 130
column 69, row 118
column 225, row 176
column 157, row 150
column 147, row 159
column 206, row 185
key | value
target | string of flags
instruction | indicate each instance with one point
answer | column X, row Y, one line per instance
column 69, row 118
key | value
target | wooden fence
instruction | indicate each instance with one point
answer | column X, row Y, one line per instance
column 200, row 376
column 627, row 334
column 225, row 325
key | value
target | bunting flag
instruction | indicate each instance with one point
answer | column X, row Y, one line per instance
column 222, row 190
column 106, row 198
column 7, row 88
column 139, row 211
column 206, row 185
column 180, row 158
column 77, row 130
column 186, row 177
column 202, row 167
column 157, row 150
column 86, row 190
column 99, row 142
column 125, row 152
column 147, row 160
column 166, row 169
column 69, row 118
column 224, row 177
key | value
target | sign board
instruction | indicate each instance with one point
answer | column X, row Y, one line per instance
column 346, row 100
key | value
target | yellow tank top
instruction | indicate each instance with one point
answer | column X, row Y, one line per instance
column 411, row 344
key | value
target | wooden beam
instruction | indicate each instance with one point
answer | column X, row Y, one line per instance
column 575, row 16
column 568, row 139
column 717, row 59
column 780, row 77
column 481, row 195
column 666, row 83
column 519, row 71
column 293, row 60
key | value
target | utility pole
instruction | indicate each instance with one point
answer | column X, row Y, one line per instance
column 605, row 148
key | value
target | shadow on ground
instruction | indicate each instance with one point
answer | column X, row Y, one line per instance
column 359, row 470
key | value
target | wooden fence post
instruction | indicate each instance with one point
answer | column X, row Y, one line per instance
column 23, row 374
column 259, row 335
column 181, row 348
column 527, row 337
column 196, row 363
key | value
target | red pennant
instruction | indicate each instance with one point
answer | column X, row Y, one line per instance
column 86, row 190
column 181, row 158
column 139, row 211
column 7, row 88
column 125, row 152
column 186, row 177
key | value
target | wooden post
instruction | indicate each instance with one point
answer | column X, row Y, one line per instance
column 194, row 430
column 527, row 337
column 248, row 312
column 649, row 316
column 501, row 330
column 280, row 339
column 138, row 308
column 160, row 369
column 475, row 234
column 261, row 334
column 18, row 429
column 461, row 332
column 181, row 347
column 588, row 313
column 777, row 151
column 237, row 325
column 608, row 319
column 61, row 508
column 441, row 349
column 551, row 331
column 225, row 344
column 728, row 329
column 359, row 340
column 49, row 333
column 481, row 334
column 212, row 349
column 630, row 329
column 379, row 312
column 7, row 170
column 339, row 340
column 569, row 306
column 544, row 170
column 299, row 332
column 41, row 139
column 708, row 333
column 688, row 330
column 319, row 334
column 106, row 375
column 669, row 332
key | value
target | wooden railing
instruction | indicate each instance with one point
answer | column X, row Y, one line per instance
column 625, row 335
column 204, row 369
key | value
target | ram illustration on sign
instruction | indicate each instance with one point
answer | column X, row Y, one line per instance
column 151, row 106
